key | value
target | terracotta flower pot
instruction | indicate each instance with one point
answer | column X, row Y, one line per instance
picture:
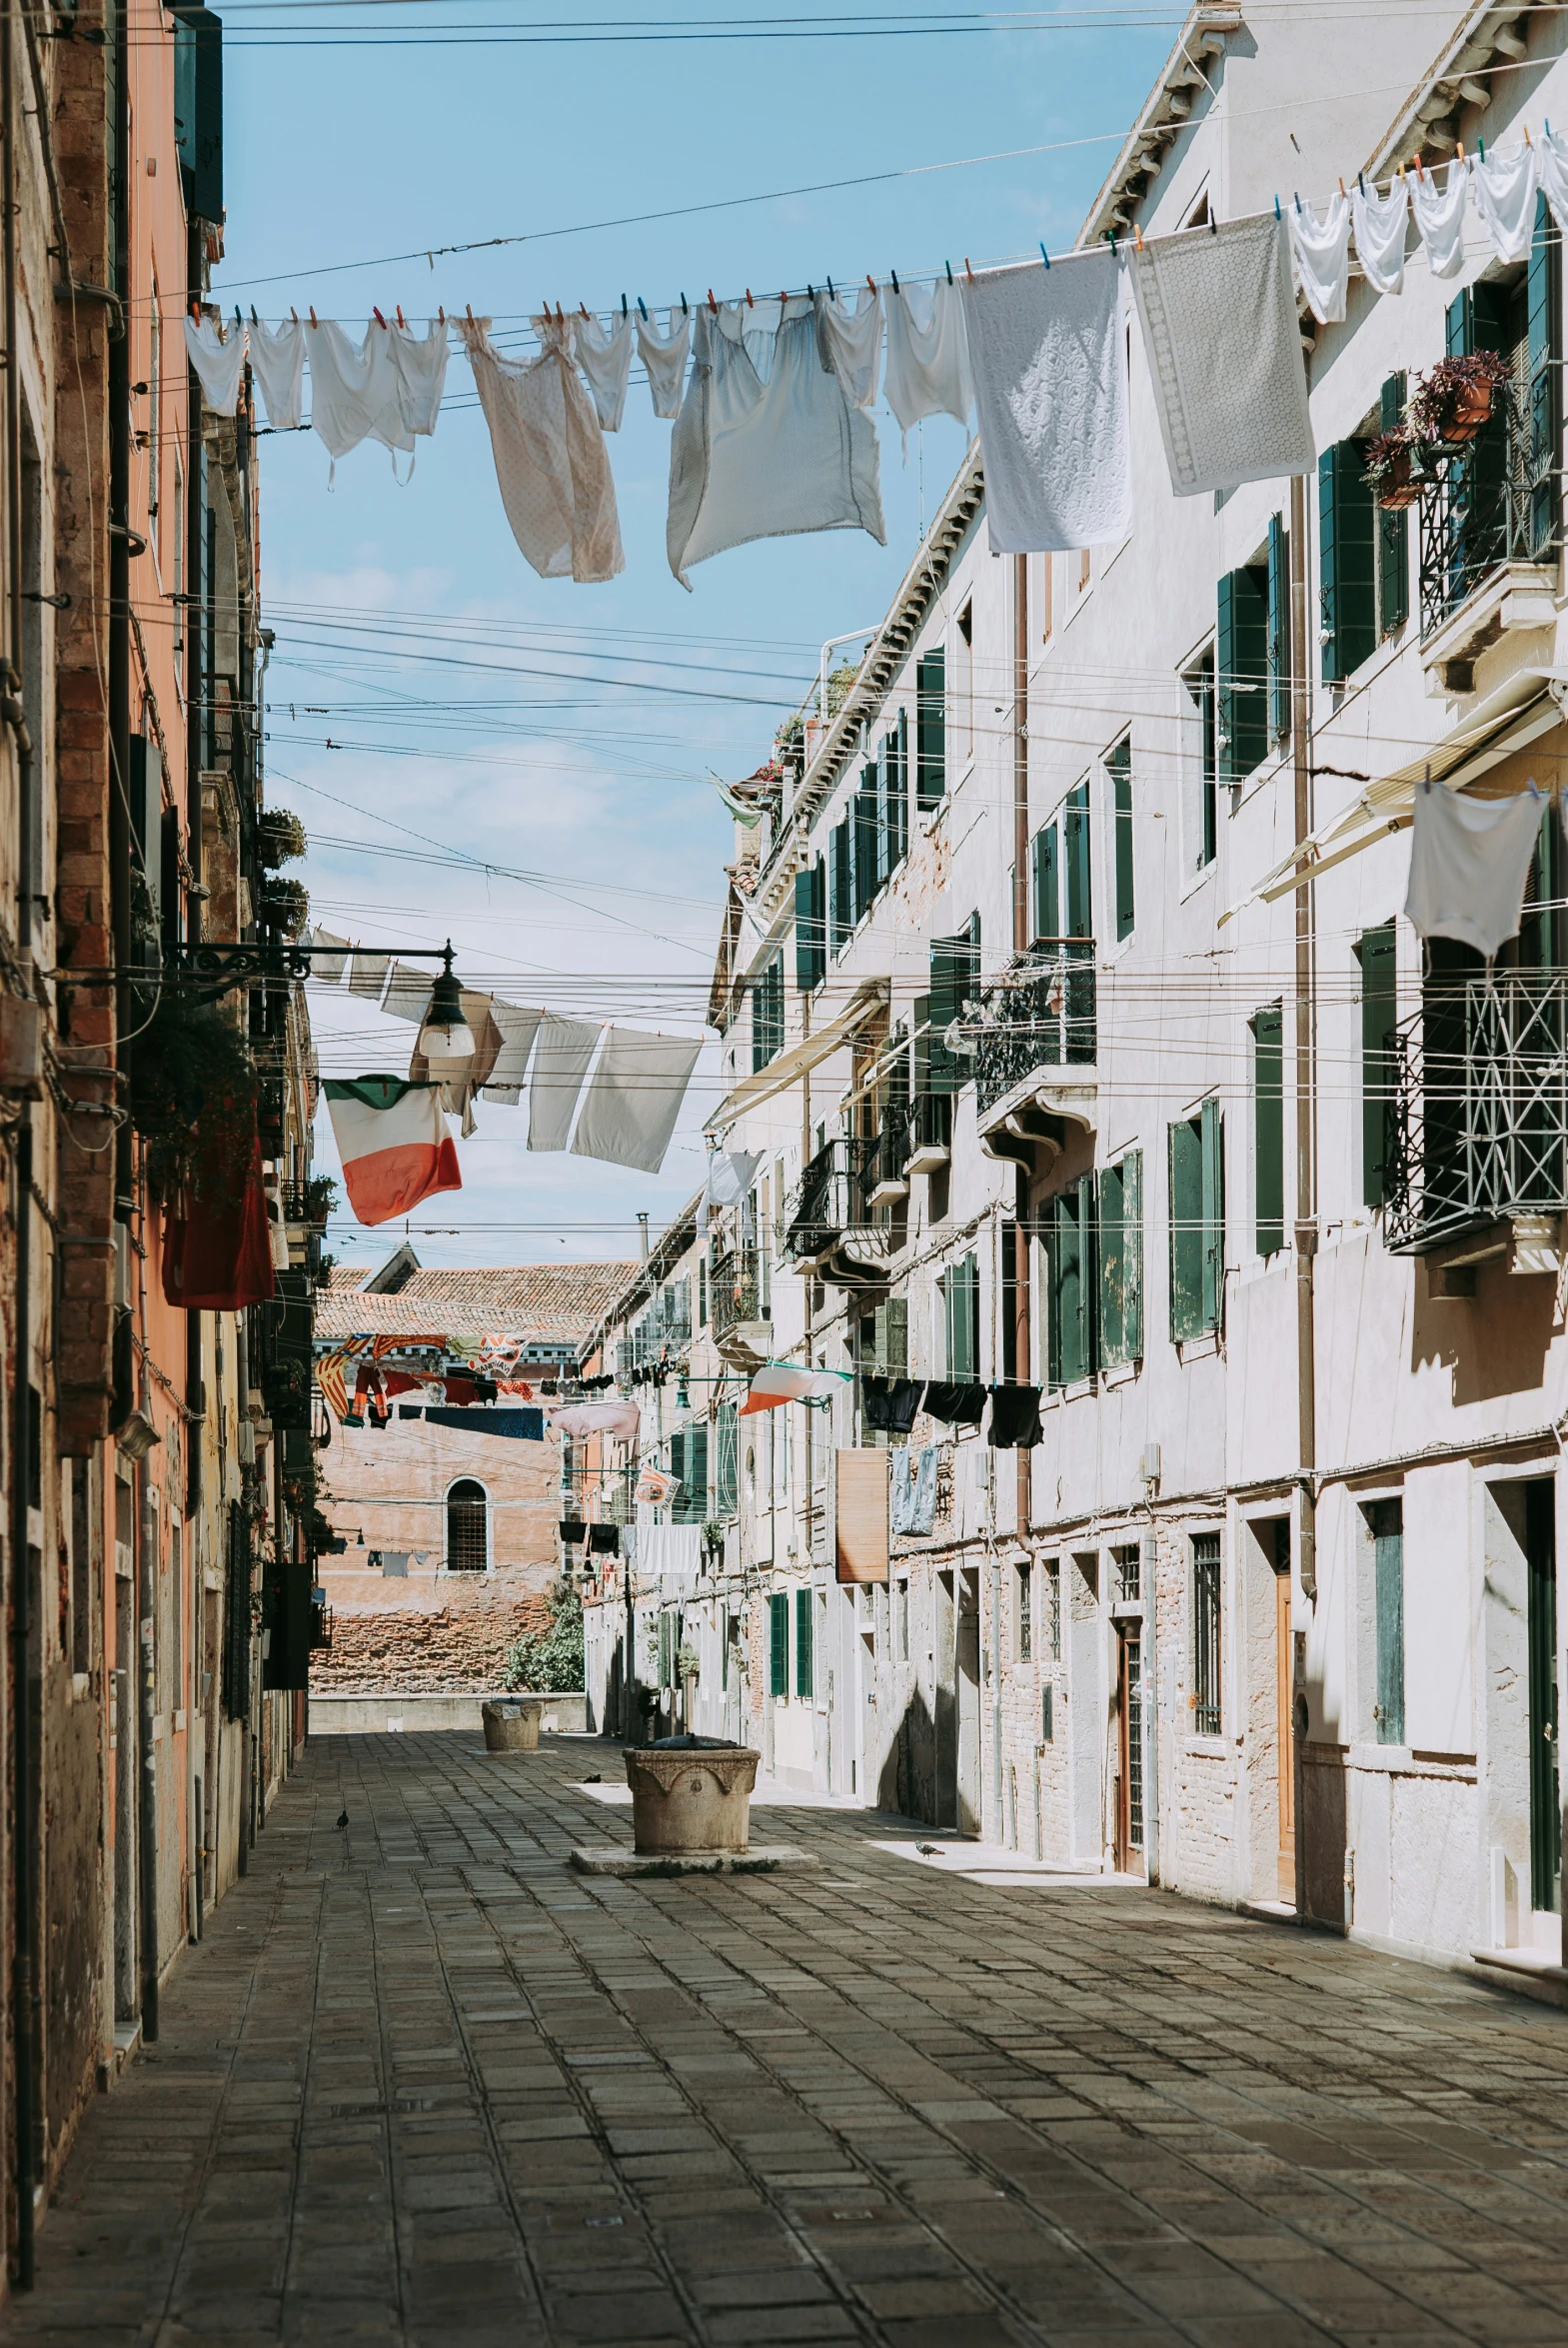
column 1397, row 488
column 1471, row 410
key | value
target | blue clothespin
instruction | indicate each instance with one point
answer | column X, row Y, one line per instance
column 1278, row 215
column 893, row 274
column 947, row 264
column 1110, row 231
column 622, row 304
column 642, row 309
column 1361, row 183
column 832, row 296
column 1297, row 198
column 1481, row 146
column 1044, row 256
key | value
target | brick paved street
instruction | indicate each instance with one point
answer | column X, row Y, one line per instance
column 421, row 2083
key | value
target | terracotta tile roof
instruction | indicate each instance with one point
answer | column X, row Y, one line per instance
column 556, row 1302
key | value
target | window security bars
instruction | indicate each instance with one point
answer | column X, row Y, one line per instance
column 1480, row 1107
column 1206, row 1635
column 1039, row 1013
column 1494, row 500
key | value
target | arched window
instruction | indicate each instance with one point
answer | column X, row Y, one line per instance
column 468, row 1527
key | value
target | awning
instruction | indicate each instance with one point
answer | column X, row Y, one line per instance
column 790, row 1065
column 1516, row 714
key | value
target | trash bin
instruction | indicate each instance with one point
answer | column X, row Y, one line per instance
column 691, row 1793
column 512, row 1724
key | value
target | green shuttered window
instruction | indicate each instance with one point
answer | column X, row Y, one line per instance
column 1378, row 1017
column 1197, row 1225
column 1386, row 1524
column 1118, row 769
column 805, row 1679
column 767, row 1014
column 1346, row 560
column 1242, row 657
column 930, row 729
column 1279, row 670
column 1393, row 530
column 1121, row 1261
column 1069, row 1286
column 778, row 1644
column 1269, row 1130
column 810, row 925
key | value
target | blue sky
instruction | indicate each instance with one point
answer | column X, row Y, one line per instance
column 583, row 760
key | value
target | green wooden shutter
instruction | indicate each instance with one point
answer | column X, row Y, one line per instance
column 696, row 1472
column 1345, row 564
column 1046, row 891
column 1268, row 1128
column 1242, row 662
column 841, row 918
column 810, row 943
column 954, row 972
column 1393, row 530
column 1132, row 1256
column 896, row 749
column 1388, row 1557
column 778, row 1644
column 930, row 729
column 1186, row 1228
column 1119, row 767
column 1379, row 1009
column 1112, row 1267
column 1543, row 330
column 1212, row 1136
column 1075, row 863
column 805, row 1679
column 894, row 1317
column 1278, row 629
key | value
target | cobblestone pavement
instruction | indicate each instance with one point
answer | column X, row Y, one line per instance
column 422, row 2084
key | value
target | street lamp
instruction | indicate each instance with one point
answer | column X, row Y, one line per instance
column 446, row 1039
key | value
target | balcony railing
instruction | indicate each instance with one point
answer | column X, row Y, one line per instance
column 1478, row 1118
column 734, row 1291
column 1038, row 1013
column 884, row 1159
column 927, row 1133
column 1496, row 500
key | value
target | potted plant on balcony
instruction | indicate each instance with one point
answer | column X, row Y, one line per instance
column 1453, row 400
column 1394, row 471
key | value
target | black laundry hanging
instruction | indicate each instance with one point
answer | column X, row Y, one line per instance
column 960, row 1405
column 1015, row 1418
column 889, row 1404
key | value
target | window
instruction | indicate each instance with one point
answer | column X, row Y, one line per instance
column 1069, row 1284
column 689, row 1467
column 767, row 1014
column 930, row 729
column 1121, row 1251
column 1022, row 1613
column 841, row 887
column 1200, row 752
column 967, row 673
column 778, row 1644
column 1198, row 1223
column 892, row 768
column 1393, row 530
column 1051, row 1626
column 1269, row 1130
column 1118, row 769
column 468, row 1527
column 805, row 1679
column 702, row 1292
column 1063, row 904
column 1386, row 1524
column 1206, row 1635
column 726, row 1447
column 955, row 981
column 1375, row 948
column 810, row 925
column 1129, row 1571
column 1241, row 657
column 1348, row 612
column 961, row 1294
column 1047, row 1715
column 902, row 1616
column 1279, row 630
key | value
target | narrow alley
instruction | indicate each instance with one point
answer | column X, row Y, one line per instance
column 421, row 2082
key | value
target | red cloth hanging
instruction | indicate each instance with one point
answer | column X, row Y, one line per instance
column 216, row 1255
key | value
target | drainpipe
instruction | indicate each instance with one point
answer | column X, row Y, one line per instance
column 1021, row 938
column 1306, row 1136
column 147, row 1817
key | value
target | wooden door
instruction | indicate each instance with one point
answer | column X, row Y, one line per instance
column 1284, row 1745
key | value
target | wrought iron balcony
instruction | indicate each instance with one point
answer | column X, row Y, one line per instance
column 828, row 1227
column 927, row 1133
column 1495, row 499
column 1478, row 1114
column 734, row 1291
column 883, row 1179
column 1039, row 1013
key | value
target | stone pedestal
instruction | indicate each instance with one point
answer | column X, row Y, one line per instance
column 690, row 1794
column 512, row 1723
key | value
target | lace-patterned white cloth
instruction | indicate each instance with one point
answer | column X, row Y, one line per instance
column 1225, row 351
column 551, row 461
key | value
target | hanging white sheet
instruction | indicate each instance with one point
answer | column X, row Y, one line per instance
column 851, row 342
column 219, row 364
column 518, row 1028
column 561, row 1052
column 356, row 393
column 1469, row 860
column 551, row 461
column 630, row 1109
column 927, row 356
column 278, row 364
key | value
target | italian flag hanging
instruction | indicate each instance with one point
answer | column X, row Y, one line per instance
column 391, row 1138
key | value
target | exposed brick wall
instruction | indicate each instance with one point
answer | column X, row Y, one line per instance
column 452, row 1650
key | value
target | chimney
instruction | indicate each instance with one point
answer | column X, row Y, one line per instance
column 642, row 1236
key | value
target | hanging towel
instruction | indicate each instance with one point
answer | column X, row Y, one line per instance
column 928, row 357
column 218, row 364
column 606, row 359
column 408, row 996
column 581, row 1420
column 517, row 1030
column 355, row 393
column 328, row 967
column 550, row 454
column 1469, row 860
column 1015, row 1418
column 519, row 1426
column 1225, row 352
column 900, row 1486
column 630, row 1109
column 851, row 343
column 922, row 1505
column 369, row 975
column 1504, row 190
column 1551, row 168
column 1320, row 250
column 392, row 1138
column 959, row 1405
column 766, row 445
column 604, row 1540
column 560, row 1055
column 1380, row 224
column 420, row 363
column 1439, row 215
column 1049, row 358
column 278, row 364
column 889, row 1404
column 728, row 1178
column 665, row 356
